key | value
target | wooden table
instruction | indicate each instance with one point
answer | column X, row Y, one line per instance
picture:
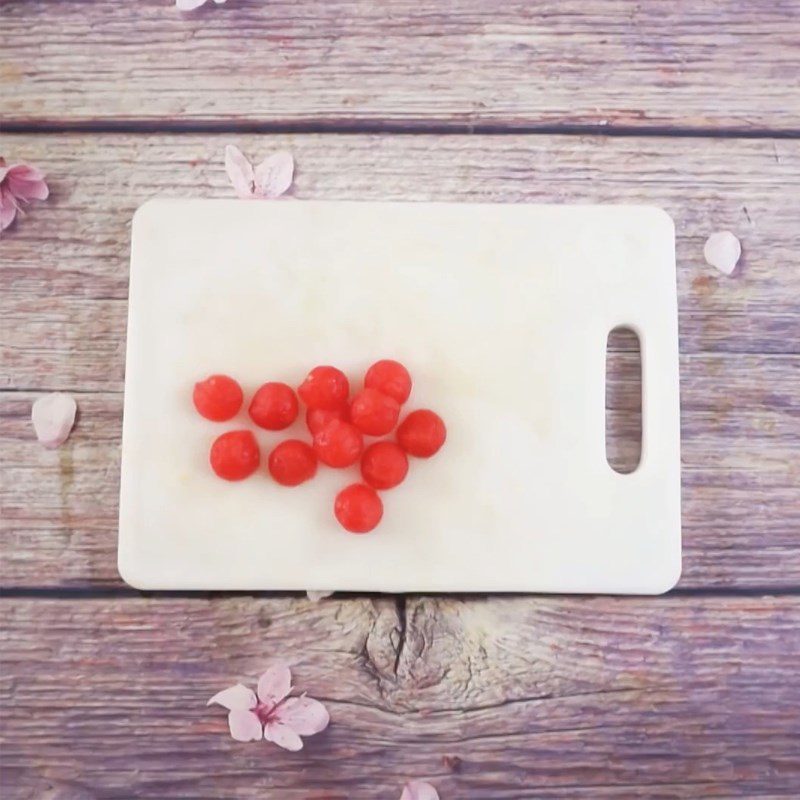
column 691, row 105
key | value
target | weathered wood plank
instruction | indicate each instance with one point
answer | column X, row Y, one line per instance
column 691, row 63
column 508, row 699
column 64, row 285
column 65, row 267
column 741, row 467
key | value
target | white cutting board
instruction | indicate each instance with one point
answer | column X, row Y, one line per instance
column 501, row 313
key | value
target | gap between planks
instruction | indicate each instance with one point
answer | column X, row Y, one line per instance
column 361, row 127
column 123, row 592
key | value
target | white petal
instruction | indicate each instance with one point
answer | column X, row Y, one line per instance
column 283, row 736
column 245, row 726
column 303, row 715
column 274, row 684
column 419, row 790
column 53, row 417
column 722, row 251
column 273, row 176
column 316, row 596
column 235, row 698
column 239, row 171
column 189, row 5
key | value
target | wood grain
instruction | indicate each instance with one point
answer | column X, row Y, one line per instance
column 741, row 467
column 64, row 271
column 63, row 280
column 414, row 63
column 508, row 698
column 694, row 695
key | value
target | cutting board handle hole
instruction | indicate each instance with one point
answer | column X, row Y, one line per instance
column 623, row 400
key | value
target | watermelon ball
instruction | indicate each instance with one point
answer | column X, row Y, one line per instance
column 338, row 444
column 235, row 456
column 292, row 462
column 274, row 406
column 358, row 508
column 421, row 433
column 325, row 387
column 318, row 418
column 218, row 398
column 384, row 465
column 390, row 378
column 374, row 413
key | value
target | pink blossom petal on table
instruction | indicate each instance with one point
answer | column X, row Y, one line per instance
column 240, row 171
column 316, row 596
column 27, row 183
column 24, row 172
column 28, row 190
column 722, row 251
column 274, row 684
column 273, row 176
column 53, row 417
column 19, row 184
column 235, row 698
column 283, row 736
column 303, row 715
column 8, row 208
column 189, row 5
column 419, row 790
column 245, row 726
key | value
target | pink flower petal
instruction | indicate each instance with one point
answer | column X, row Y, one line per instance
column 283, row 736
column 273, row 176
column 8, row 208
column 303, row 715
column 245, row 726
column 722, row 251
column 316, row 596
column 274, row 684
column 419, row 790
column 53, row 417
column 239, row 171
column 27, row 189
column 25, row 172
column 19, row 183
column 235, row 698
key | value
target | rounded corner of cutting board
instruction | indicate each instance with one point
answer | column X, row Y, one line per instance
column 669, row 580
column 661, row 217
column 147, row 209
column 131, row 572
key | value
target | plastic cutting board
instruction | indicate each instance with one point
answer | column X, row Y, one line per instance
column 501, row 313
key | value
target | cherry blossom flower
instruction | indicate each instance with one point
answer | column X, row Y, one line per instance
column 19, row 183
column 270, row 713
column 269, row 179
column 53, row 417
column 190, row 5
column 419, row 790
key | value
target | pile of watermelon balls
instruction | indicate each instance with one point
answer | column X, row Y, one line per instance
column 337, row 425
